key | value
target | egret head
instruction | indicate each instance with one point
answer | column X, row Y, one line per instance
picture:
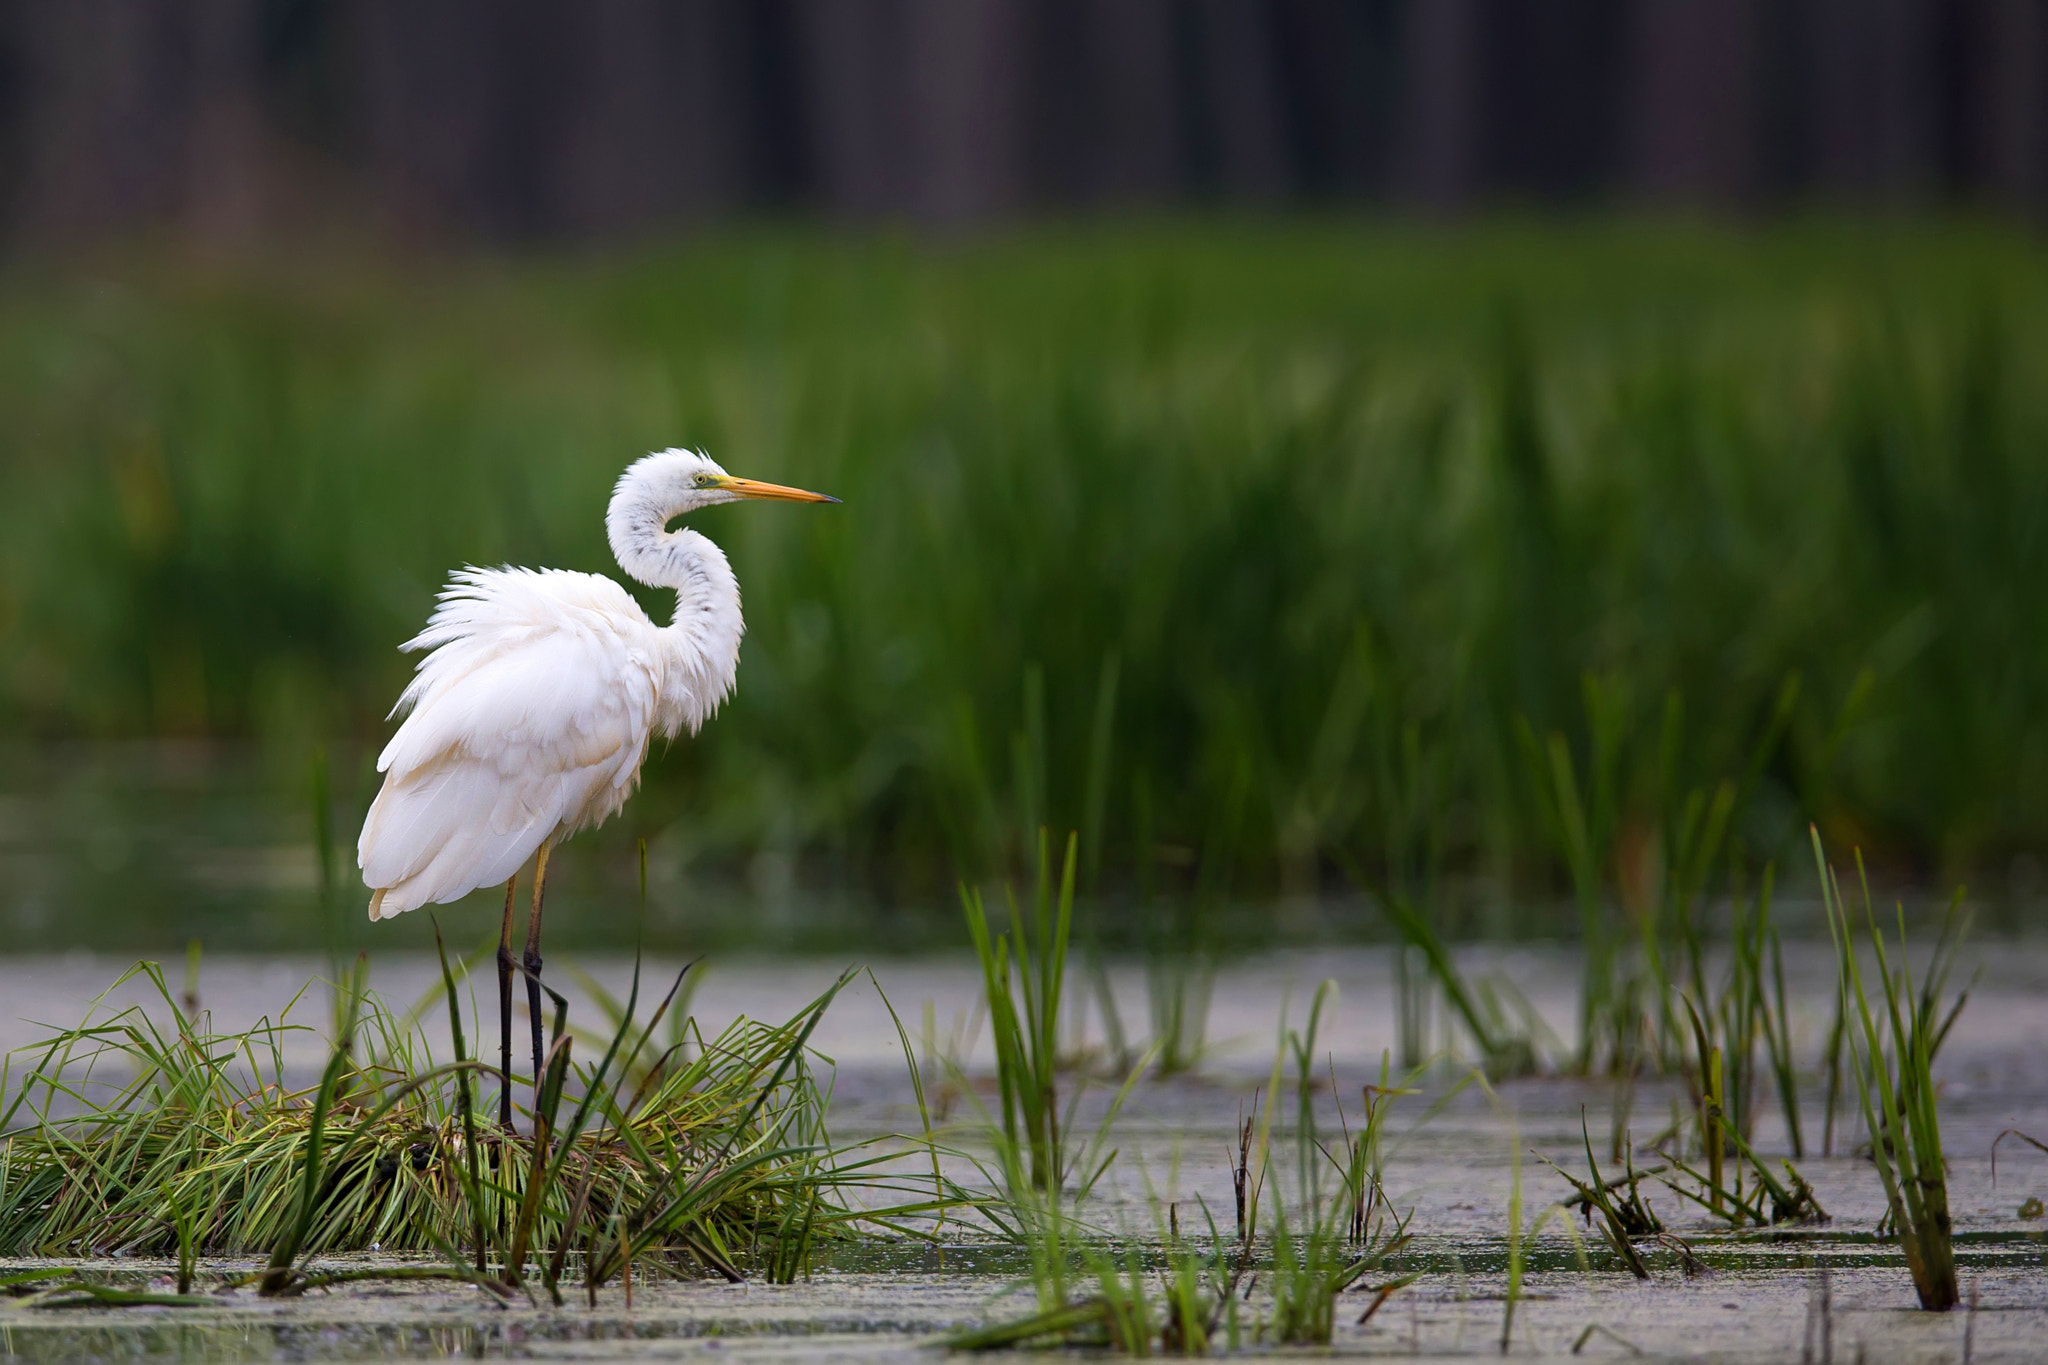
column 658, row 488
column 681, row 481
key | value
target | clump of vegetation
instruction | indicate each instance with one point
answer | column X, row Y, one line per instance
column 1177, row 1299
column 1891, row 1051
column 1024, row 973
column 1643, row 849
column 1185, row 1294
column 713, row 1162
column 1625, row 1215
column 60, row 1287
column 1642, row 846
column 1723, row 1033
column 1721, row 1192
column 1500, row 1022
column 1343, row 1228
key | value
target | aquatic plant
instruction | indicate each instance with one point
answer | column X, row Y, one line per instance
column 1891, row 1054
column 1024, row 969
column 1723, row 1033
column 1756, row 1003
column 1678, row 836
column 716, row 1163
column 1755, row 1196
column 1624, row 1214
column 1582, row 821
column 1180, row 976
column 1520, row 1233
column 1341, row 1230
column 1179, row 1296
column 59, row 1286
column 1091, row 1286
column 1506, row 1042
column 1094, row 1290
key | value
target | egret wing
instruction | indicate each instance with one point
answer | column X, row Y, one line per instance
column 513, row 737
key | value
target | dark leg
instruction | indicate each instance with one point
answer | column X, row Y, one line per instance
column 505, row 1009
column 532, row 960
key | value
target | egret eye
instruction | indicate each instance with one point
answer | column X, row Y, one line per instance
column 703, row 481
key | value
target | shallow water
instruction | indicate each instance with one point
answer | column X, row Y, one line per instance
column 156, row 844
column 1457, row 1171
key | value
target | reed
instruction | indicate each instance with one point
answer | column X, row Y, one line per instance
column 1625, row 1215
column 1725, row 1030
column 1024, row 977
column 1179, row 1299
column 1182, row 1294
column 1043, row 1166
column 1643, row 848
column 1181, row 948
column 1891, row 1048
column 1582, row 817
column 1521, row 1231
column 1342, row 1228
column 1505, row 1041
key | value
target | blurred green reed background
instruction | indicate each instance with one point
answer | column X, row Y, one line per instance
column 1260, row 553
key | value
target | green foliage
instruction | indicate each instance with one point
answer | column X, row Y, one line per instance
column 1506, row 1047
column 1721, row 1189
column 1651, row 857
column 1218, row 456
column 1721, row 1067
column 1891, row 1054
column 1024, row 973
column 1042, row 1170
column 1179, row 1300
column 1341, row 1230
column 1624, row 1214
column 1181, row 948
column 718, row 1161
column 1186, row 1295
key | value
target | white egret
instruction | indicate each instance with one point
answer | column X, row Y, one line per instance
column 531, row 714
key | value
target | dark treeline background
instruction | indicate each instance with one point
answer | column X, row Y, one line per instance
column 553, row 119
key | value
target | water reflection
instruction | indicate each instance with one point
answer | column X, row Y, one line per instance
column 147, row 846
column 140, row 848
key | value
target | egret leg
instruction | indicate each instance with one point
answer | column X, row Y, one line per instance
column 532, row 961
column 505, row 1009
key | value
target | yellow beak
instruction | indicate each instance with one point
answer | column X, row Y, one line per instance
column 754, row 488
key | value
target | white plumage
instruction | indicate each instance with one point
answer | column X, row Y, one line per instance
column 532, row 712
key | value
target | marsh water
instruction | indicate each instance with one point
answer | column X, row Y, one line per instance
column 1832, row 1291
column 158, row 844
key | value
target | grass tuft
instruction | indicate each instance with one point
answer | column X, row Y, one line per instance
column 1342, row 1230
column 718, row 1163
column 1891, row 1053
